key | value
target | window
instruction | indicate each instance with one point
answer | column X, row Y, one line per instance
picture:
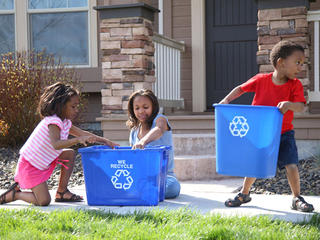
column 65, row 28
column 7, row 29
column 63, row 32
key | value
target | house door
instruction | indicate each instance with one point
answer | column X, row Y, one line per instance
column 231, row 46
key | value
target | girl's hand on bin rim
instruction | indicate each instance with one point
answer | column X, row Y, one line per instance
column 138, row 145
column 108, row 142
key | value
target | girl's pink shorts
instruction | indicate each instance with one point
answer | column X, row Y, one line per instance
column 28, row 176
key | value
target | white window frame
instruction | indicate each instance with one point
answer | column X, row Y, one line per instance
column 160, row 16
column 22, row 29
column 314, row 16
column 3, row 12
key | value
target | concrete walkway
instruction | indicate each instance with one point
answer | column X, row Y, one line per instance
column 204, row 197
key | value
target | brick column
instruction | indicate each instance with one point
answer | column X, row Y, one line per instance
column 127, row 53
column 279, row 24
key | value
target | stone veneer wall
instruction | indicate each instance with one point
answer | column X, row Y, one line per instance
column 127, row 56
column 279, row 24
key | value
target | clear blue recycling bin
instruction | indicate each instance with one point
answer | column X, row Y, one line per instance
column 247, row 140
column 122, row 176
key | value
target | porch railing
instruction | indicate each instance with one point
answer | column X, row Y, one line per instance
column 167, row 70
column 314, row 16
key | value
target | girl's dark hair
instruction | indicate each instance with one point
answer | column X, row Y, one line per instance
column 133, row 122
column 54, row 99
column 283, row 49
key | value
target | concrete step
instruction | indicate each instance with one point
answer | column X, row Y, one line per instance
column 196, row 167
column 194, row 144
column 114, row 126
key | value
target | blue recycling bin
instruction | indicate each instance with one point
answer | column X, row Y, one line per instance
column 163, row 167
column 122, row 176
column 247, row 140
column 163, row 171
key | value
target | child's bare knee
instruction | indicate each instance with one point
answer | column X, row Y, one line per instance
column 69, row 154
column 44, row 201
column 291, row 167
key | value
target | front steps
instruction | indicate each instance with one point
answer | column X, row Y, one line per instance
column 194, row 140
column 195, row 156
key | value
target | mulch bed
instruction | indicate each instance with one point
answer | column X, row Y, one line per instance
column 309, row 170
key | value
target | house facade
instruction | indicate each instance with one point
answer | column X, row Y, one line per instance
column 118, row 46
column 227, row 42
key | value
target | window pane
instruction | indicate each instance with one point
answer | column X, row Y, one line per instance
column 7, row 40
column 43, row 4
column 57, row 3
column 78, row 3
column 6, row 4
column 63, row 34
column 35, row 4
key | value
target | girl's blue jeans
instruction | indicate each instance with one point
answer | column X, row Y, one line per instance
column 172, row 187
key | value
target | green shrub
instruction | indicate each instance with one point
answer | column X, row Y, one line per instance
column 23, row 76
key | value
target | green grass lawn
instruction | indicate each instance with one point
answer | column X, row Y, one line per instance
column 156, row 224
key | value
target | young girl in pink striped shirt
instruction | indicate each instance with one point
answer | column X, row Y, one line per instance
column 47, row 146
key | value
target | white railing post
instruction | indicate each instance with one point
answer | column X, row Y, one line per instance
column 167, row 71
column 314, row 16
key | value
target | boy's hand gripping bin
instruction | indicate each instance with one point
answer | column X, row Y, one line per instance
column 247, row 140
column 122, row 176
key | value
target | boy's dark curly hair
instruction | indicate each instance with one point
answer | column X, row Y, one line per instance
column 54, row 99
column 283, row 49
column 132, row 121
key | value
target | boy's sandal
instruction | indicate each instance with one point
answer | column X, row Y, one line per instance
column 298, row 203
column 238, row 200
column 14, row 188
column 73, row 198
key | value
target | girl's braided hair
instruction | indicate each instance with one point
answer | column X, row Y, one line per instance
column 54, row 99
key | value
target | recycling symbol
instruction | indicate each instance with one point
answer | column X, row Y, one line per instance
column 239, row 126
column 122, row 179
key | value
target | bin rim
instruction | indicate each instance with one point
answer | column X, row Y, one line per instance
column 105, row 148
column 244, row 106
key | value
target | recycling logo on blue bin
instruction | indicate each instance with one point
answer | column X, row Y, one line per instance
column 121, row 178
column 239, row 126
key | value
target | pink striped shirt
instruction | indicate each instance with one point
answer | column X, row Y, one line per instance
column 38, row 150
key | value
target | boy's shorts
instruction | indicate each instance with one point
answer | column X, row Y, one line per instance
column 288, row 153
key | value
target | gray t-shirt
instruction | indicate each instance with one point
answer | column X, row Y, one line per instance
column 165, row 139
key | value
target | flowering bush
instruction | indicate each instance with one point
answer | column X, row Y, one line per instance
column 23, row 76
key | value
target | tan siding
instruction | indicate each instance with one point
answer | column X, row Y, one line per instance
column 313, row 107
column 181, row 30
column 307, row 127
column 154, row 3
column 182, row 21
column 90, row 78
column 181, row 11
column 187, row 81
column 186, row 74
column 167, row 18
column 315, row 5
column 93, row 108
column 180, row 3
